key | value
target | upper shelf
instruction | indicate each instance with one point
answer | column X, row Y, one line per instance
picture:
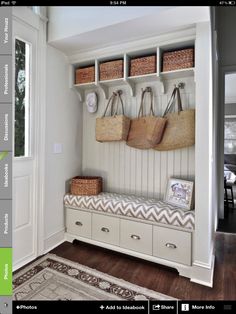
column 131, row 81
column 144, row 78
column 85, row 85
column 177, row 73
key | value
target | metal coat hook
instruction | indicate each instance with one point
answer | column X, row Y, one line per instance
column 180, row 85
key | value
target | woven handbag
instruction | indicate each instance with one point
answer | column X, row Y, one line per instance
column 180, row 127
column 114, row 127
column 146, row 131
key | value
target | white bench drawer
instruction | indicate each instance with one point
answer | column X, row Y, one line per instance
column 173, row 245
column 105, row 229
column 136, row 236
column 78, row 222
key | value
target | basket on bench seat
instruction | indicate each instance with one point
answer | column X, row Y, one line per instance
column 85, row 185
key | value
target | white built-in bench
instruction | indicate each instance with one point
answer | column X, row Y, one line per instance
column 138, row 226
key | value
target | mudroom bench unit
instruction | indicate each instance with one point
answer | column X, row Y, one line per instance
column 142, row 227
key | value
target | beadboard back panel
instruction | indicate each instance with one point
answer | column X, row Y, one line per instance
column 134, row 171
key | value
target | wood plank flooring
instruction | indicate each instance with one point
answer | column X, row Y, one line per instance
column 157, row 277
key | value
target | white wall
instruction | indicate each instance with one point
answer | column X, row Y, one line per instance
column 134, row 171
column 63, row 125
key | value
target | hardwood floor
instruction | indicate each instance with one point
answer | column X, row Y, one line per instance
column 228, row 224
column 157, row 277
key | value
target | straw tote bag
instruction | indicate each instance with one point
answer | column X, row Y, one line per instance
column 146, row 131
column 114, row 127
column 180, row 127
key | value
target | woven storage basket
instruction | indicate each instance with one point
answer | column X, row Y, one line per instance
column 180, row 127
column 85, row 75
column 180, row 59
column 114, row 127
column 111, row 70
column 86, row 185
column 143, row 65
column 146, row 131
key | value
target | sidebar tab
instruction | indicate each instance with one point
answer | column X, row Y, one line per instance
column 6, row 160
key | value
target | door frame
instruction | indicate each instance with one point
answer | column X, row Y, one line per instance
column 221, row 112
column 28, row 18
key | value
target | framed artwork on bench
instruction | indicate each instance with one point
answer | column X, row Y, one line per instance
column 180, row 193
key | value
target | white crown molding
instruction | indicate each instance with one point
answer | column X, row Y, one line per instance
column 186, row 34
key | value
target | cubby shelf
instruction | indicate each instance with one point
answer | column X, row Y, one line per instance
column 131, row 81
column 115, row 82
column 177, row 73
column 144, row 78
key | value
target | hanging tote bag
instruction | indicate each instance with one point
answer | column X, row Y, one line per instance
column 180, row 127
column 146, row 131
column 114, row 127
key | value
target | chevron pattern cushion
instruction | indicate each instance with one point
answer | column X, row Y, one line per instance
column 133, row 206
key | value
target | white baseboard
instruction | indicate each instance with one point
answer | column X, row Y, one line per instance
column 54, row 240
column 22, row 262
column 203, row 275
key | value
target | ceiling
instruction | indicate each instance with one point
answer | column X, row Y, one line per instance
column 78, row 29
column 230, row 88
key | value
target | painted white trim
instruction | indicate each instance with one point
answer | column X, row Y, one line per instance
column 26, row 16
column 54, row 240
column 183, row 35
column 205, row 265
column 23, row 262
column 203, row 276
column 41, row 135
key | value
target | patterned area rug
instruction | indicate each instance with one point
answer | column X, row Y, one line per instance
column 55, row 278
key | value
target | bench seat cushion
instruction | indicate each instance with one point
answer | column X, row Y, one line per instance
column 133, row 206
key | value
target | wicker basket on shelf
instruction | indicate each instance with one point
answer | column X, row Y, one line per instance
column 179, row 59
column 85, row 75
column 111, row 70
column 143, row 65
column 86, row 185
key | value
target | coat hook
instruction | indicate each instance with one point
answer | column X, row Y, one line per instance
column 181, row 85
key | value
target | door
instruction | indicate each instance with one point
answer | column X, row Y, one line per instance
column 24, row 100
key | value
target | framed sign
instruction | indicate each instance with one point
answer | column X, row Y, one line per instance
column 180, row 193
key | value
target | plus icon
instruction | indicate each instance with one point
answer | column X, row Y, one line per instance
column 101, row 307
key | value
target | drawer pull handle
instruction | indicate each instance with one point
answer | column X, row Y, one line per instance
column 171, row 246
column 78, row 223
column 135, row 237
column 105, row 229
